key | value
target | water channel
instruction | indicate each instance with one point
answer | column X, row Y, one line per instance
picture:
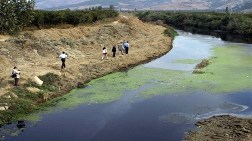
column 157, row 101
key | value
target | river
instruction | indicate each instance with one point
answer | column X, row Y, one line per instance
column 157, row 101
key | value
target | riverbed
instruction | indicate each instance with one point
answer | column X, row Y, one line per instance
column 160, row 100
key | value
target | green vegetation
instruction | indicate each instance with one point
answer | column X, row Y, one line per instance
column 28, row 102
column 202, row 64
column 44, row 18
column 15, row 14
column 237, row 23
column 170, row 32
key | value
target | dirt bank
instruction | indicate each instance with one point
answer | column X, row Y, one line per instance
column 36, row 53
column 221, row 128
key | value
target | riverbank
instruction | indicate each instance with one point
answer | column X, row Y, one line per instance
column 225, row 127
column 37, row 54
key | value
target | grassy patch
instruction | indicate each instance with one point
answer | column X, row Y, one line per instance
column 50, row 82
column 169, row 31
column 28, row 102
column 17, row 108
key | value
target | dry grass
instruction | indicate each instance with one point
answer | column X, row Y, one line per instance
column 39, row 54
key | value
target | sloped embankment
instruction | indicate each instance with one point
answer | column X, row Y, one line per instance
column 36, row 54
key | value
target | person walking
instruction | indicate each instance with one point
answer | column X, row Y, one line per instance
column 104, row 53
column 63, row 57
column 15, row 75
column 121, row 47
column 114, row 50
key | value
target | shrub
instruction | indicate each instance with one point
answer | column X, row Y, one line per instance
column 170, row 32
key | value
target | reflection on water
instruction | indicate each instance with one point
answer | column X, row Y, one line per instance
column 186, row 46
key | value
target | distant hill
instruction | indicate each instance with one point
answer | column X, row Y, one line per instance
column 236, row 5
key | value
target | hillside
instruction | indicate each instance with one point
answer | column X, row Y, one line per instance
column 37, row 53
column 148, row 4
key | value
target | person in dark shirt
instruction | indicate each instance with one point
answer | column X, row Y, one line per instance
column 114, row 50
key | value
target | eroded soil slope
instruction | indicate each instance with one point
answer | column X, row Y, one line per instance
column 37, row 52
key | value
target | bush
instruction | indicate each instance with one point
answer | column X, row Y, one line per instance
column 170, row 32
column 15, row 15
column 237, row 23
column 50, row 82
column 73, row 17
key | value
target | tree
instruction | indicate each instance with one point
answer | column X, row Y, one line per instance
column 111, row 7
column 15, row 14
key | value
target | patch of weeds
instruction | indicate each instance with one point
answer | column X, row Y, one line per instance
column 30, row 83
column 18, row 108
column 202, row 64
column 22, row 92
column 50, row 82
column 198, row 68
column 169, row 31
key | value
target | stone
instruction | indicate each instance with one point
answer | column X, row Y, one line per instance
column 38, row 81
column 4, row 106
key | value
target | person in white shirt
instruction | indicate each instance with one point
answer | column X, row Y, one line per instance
column 63, row 57
column 16, row 75
column 104, row 53
column 126, row 47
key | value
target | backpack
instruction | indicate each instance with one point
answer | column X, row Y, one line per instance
column 14, row 75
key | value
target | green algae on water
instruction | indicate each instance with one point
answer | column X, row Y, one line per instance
column 230, row 70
